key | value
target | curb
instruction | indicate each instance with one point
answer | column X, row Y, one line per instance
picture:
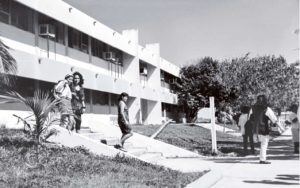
column 207, row 180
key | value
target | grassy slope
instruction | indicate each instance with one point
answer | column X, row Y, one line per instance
column 193, row 138
column 77, row 167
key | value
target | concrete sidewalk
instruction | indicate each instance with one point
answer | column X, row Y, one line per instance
column 243, row 172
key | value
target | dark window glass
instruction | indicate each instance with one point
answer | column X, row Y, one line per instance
column 4, row 11
column 98, row 48
column 4, row 6
column 22, row 17
column 100, row 98
column 114, row 100
column 78, row 40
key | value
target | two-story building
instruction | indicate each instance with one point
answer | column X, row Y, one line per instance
column 50, row 38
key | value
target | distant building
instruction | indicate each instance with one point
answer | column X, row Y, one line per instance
column 50, row 38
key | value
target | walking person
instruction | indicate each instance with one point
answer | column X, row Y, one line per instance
column 123, row 120
column 294, row 121
column 62, row 92
column 78, row 104
column 260, row 115
column 246, row 127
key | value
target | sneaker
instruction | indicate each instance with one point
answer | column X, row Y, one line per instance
column 264, row 162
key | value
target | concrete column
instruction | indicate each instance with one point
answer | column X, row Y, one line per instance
column 154, row 72
column 36, row 28
column 134, row 108
column 154, row 112
column 131, row 63
column 90, row 48
column 66, row 40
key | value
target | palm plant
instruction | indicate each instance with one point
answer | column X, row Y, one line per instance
column 8, row 65
column 42, row 107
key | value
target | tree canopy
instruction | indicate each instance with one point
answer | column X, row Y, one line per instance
column 237, row 82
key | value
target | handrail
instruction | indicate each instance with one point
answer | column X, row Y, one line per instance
column 161, row 128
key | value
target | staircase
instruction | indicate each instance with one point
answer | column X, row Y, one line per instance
column 142, row 153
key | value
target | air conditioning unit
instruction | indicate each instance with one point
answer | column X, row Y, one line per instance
column 47, row 30
column 109, row 56
column 143, row 71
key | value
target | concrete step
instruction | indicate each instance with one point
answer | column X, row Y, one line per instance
column 152, row 157
column 95, row 136
column 84, row 130
column 137, row 151
column 128, row 145
column 111, row 141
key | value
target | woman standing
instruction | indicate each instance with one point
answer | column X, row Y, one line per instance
column 123, row 119
column 78, row 104
column 62, row 92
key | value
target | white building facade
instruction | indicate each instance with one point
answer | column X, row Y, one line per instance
column 50, row 38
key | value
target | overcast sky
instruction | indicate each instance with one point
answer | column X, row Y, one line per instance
column 191, row 29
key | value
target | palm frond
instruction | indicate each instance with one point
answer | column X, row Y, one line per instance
column 8, row 62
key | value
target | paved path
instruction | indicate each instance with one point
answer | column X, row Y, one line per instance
column 247, row 172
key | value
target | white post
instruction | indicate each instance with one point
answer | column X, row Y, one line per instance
column 213, row 128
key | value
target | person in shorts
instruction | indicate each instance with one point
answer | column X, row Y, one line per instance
column 123, row 120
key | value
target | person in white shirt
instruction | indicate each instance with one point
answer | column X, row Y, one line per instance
column 64, row 95
column 294, row 122
column 260, row 115
column 246, row 129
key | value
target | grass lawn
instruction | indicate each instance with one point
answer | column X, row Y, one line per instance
column 77, row 167
column 194, row 138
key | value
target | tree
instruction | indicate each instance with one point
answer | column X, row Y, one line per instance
column 197, row 83
column 268, row 75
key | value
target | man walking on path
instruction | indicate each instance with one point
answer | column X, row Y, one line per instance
column 246, row 172
column 260, row 115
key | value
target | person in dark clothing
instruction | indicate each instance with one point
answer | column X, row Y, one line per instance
column 260, row 115
column 246, row 129
column 78, row 104
column 123, row 120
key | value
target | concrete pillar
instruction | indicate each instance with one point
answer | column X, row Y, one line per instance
column 154, row 72
column 154, row 108
column 131, row 63
column 154, row 112
column 134, row 108
column 66, row 40
column 90, row 48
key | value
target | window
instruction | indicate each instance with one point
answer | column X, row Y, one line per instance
column 78, row 40
column 22, row 17
column 100, row 98
column 4, row 11
column 98, row 48
column 58, row 27
column 114, row 99
column 143, row 73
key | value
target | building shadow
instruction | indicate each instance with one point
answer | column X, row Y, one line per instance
column 288, row 177
column 272, row 182
column 285, row 180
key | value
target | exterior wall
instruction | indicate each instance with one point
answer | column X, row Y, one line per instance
column 35, row 62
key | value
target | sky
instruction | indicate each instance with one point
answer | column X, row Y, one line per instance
column 188, row 30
